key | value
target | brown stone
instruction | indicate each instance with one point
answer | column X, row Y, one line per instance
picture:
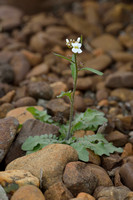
column 40, row 90
column 111, row 193
column 85, row 196
column 126, row 174
column 79, row 103
column 33, row 58
column 101, row 174
column 38, row 70
column 51, row 160
column 25, row 101
column 58, row 107
column 32, row 128
column 10, row 17
column 100, row 63
column 58, row 87
column 79, row 24
column 114, row 28
column 29, row 192
column 78, row 178
column 127, row 40
column 8, row 131
column 20, row 67
column 93, row 158
column 109, row 162
column 123, row 94
column 21, row 114
column 4, row 40
column 84, row 83
column 117, row 138
column 103, row 40
column 122, row 56
column 102, row 94
column 58, row 191
column 40, row 42
column 18, row 178
column 127, row 151
column 8, row 97
column 4, row 109
column 120, row 79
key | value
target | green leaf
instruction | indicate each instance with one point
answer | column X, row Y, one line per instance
column 63, row 57
column 40, row 115
column 98, row 144
column 32, row 144
column 68, row 94
column 92, row 70
column 83, row 154
column 73, row 68
column 89, row 120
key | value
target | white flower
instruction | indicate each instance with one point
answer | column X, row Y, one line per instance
column 67, row 41
column 78, row 40
column 76, row 47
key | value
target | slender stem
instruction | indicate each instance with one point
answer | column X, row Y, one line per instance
column 72, row 101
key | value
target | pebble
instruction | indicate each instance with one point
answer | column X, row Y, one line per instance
column 111, row 193
column 4, row 109
column 58, row 108
column 6, row 73
column 8, row 97
column 104, row 39
column 28, row 192
column 109, row 162
column 123, row 94
column 126, row 174
column 78, row 178
column 39, row 43
column 25, row 101
column 3, row 194
column 78, row 24
column 119, row 80
column 117, row 138
column 100, row 63
column 122, row 56
column 31, row 127
column 40, row 90
column 127, row 151
column 11, row 17
column 33, row 58
column 41, row 69
column 52, row 160
column 17, row 178
column 58, row 191
column 20, row 66
column 21, row 113
column 58, row 87
column 85, row 196
column 8, row 132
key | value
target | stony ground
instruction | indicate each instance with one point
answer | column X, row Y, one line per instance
column 30, row 75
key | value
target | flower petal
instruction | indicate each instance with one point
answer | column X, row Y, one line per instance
column 74, row 50
column 78, row 39
column 79, row 51
column 67, row 41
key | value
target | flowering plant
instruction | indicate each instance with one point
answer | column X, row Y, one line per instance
column 89, row 120
column 75, row 46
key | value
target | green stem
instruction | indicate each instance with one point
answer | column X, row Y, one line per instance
column 72, row 100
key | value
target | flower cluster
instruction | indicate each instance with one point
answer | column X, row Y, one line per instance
column 75, row 45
